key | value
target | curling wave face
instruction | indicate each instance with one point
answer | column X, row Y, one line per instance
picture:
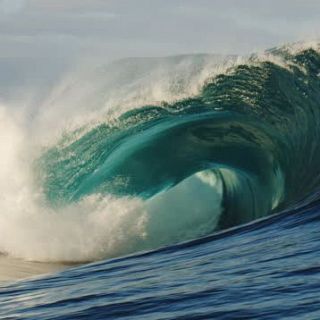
column 243, row 147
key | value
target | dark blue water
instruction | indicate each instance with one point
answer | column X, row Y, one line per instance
column 229, row 180
column 267, row 270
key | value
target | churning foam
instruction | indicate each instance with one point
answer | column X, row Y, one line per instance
column 90, row 229
column 97, row 226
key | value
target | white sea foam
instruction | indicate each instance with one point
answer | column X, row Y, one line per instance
column 97, row 226
column 30, row 229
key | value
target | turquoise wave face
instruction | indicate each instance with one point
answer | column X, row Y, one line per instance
column 250, row 135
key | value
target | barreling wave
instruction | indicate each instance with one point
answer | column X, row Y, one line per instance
column 244, row 147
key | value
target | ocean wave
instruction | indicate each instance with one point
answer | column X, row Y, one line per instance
column 238, row 147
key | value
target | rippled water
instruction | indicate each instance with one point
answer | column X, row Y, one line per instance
column 267, row 270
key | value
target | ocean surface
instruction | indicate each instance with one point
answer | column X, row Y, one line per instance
column 184, row 187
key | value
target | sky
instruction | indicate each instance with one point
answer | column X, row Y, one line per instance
column 39, row 39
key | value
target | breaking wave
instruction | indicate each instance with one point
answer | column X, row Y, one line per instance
column 187, row 146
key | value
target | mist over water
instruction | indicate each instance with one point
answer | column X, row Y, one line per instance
column 97, row 226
